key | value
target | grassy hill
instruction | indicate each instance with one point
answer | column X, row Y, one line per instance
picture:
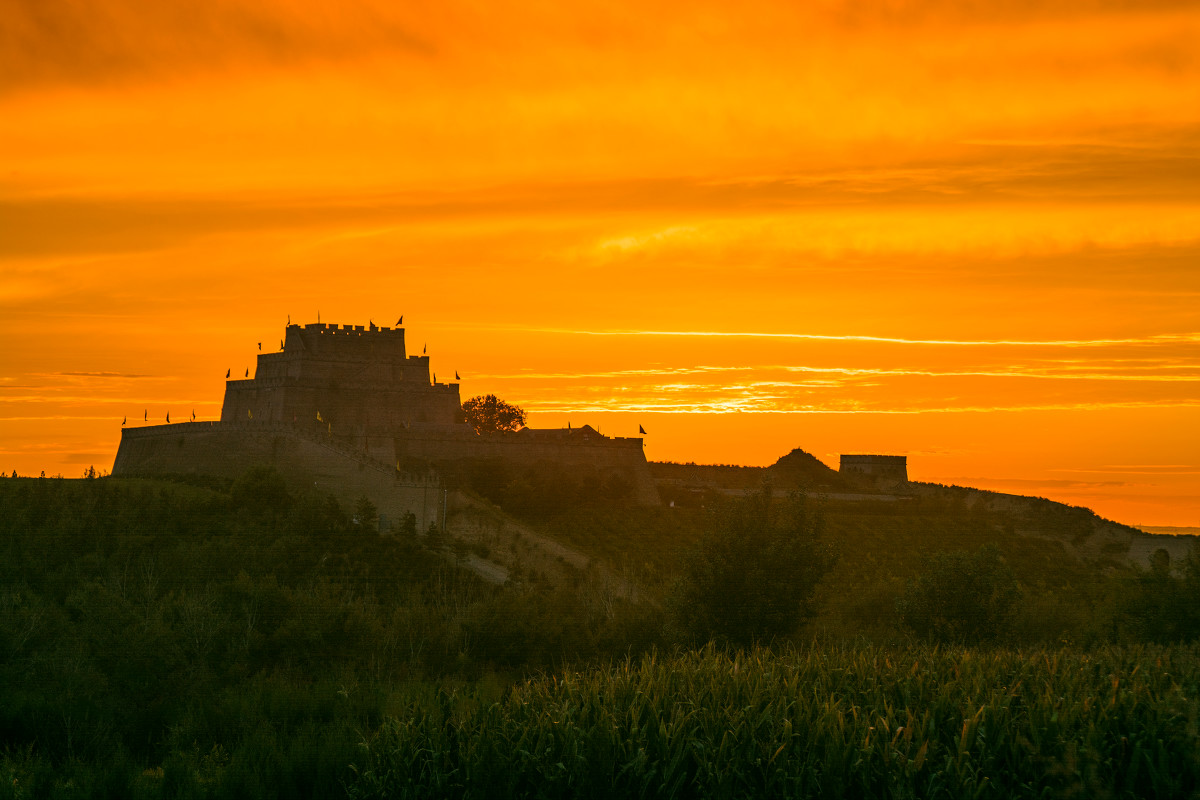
column 162, row 639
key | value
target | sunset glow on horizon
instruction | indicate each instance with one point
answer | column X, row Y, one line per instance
column 968, row 233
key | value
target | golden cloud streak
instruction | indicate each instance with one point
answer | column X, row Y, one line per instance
column 1070, row 373
column 90, row 399
column 759, row 406
column 1158, row 339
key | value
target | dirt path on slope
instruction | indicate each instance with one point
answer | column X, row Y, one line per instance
column 501, row 545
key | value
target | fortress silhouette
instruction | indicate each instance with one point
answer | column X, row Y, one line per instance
column 347, row 410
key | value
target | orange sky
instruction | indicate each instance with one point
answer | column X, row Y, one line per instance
column 968, row 232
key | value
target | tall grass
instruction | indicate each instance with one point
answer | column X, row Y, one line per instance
column 855, row 722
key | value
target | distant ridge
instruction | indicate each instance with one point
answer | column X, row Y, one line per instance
column 1083, row 535
column 1170, row 530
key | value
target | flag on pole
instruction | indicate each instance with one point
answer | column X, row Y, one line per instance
column 249, row 413
column 319, row 417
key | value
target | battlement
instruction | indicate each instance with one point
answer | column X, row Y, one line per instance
column 322, row 341
column 324, row 329
column 866, row 459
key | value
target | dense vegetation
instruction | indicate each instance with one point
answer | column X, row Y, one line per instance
column 168, row 640
column 248, row 632
column 838, row 722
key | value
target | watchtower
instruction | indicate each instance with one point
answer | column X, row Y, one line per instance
column 879, row 470
column 354, row 382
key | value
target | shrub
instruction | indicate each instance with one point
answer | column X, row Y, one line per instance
column 962, row 597
column 261, row 488
column 753, row 574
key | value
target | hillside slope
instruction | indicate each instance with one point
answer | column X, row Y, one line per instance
column 1066, row 558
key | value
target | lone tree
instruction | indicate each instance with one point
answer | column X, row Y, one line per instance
column 754, row 573
column 489, row 414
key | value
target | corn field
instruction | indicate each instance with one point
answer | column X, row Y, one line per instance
column 832, row 722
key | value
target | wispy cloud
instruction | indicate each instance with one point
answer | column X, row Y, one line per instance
column 1136, row 469
column 1157, row 339
column 770, row 405
column 120, row 375
column 77, row 42
column 68, row 399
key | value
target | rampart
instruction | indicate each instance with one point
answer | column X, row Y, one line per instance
column 227, row 450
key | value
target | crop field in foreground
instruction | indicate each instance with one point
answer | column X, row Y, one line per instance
column 852, row 722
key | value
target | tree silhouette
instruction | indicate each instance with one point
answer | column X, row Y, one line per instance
column 490, row 414
column 753, row 575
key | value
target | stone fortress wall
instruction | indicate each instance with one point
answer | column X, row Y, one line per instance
column 228, row 449
column 346, row 409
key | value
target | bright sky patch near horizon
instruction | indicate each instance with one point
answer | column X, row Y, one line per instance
column 964, row 232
